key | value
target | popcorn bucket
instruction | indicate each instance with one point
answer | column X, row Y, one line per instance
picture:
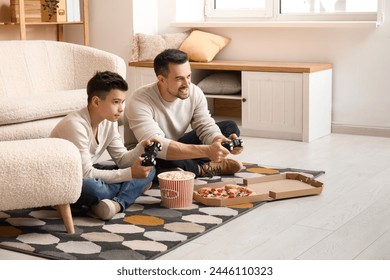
column 176, row 188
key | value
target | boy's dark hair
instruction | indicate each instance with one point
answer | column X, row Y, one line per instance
column 162, row 60
column 103, row 82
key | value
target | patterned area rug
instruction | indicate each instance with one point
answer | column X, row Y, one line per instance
column 145, row 230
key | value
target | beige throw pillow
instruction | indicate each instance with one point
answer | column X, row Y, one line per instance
column 146, row 47
column 203, row 46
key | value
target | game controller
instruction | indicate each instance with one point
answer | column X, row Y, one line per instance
column 230, row 145
column 150, row 154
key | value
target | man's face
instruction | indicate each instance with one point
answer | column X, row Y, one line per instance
column 112, row 106
column 176, row 84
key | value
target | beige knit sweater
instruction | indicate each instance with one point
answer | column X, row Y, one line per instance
column 76, row 127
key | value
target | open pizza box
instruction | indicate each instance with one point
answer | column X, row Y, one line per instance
column 266, row 188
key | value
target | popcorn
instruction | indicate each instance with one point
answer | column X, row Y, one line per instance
column 176, row 175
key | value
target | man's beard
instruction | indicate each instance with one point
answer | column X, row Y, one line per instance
column 182, row 93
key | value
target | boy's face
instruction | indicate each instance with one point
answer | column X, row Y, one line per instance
column 111, row 107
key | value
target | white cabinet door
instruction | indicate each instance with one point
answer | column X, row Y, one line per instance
column 272, row 104
column 140, row 76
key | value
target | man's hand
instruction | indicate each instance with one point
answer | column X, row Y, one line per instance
column 217, row 152
column 236, row 150
column 220, row 139
column 138, row 171
column 147, row 142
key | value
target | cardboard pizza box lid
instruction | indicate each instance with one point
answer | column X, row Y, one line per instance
column 267, row 188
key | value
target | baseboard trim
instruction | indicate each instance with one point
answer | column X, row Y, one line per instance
column 361, row 130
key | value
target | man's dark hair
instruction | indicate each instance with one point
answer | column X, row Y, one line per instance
column 163, row 59
column 103, row 82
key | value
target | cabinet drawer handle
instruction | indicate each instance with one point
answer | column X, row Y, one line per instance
column 244, row 100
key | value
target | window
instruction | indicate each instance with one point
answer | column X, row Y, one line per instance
column 328, row 6
column 246, row 4
column 238, row 9
column 329, row 9
column 293, row 9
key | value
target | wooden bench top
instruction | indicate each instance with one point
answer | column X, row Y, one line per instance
column 257, row 66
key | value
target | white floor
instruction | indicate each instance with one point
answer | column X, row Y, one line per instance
column 349, row 220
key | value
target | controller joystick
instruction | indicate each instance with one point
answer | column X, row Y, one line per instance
column 230, row 145
column 150, row 154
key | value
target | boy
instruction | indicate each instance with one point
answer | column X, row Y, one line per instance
column 94, row 130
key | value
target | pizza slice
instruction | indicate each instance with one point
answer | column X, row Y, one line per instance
column 228, row 191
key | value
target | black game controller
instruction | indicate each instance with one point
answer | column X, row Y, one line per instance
column 231, row 144
column 150, row 154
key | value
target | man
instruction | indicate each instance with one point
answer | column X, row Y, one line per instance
column 167, row 108
column 94, row 130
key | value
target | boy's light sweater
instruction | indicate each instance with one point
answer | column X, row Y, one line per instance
column 76, row 127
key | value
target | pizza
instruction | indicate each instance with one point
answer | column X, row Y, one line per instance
column 228, row 191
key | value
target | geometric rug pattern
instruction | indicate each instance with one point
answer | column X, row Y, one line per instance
column 145, row 230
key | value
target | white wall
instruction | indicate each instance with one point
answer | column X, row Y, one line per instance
column 145, row 15
column 361, row 56
column 110, row 25
column 361, row 59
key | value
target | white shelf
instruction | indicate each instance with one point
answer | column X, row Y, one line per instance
column 224, row 96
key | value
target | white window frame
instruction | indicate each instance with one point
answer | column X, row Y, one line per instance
column 272, row 13
column 211, row 12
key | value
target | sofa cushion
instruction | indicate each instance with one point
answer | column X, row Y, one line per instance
column 35, row 107
column 28, row 130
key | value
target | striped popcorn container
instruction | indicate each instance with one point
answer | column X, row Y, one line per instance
column 176, row 188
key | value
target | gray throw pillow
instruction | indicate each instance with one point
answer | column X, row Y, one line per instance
column 221, row 83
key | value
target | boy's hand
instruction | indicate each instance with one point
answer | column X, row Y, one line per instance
column 150, row 152
column 138, row 171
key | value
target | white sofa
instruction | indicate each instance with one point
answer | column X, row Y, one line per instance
column 41, row 82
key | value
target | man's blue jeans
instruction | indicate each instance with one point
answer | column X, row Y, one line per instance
column 227, row 128
column 125, row 193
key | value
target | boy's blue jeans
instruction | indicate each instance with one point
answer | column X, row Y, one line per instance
column 125, row 193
